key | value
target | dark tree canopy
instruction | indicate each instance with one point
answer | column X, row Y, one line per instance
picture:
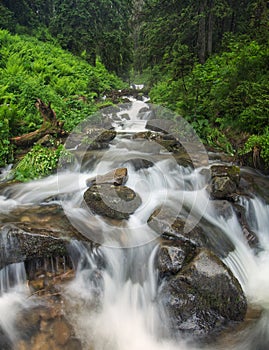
column 206, row 59
column 85, row 27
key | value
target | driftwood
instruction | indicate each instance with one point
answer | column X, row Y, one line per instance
column 50, row 126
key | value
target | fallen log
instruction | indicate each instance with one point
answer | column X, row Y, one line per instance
column 50, row 126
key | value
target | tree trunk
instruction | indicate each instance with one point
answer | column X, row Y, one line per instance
column 201, row 42
column 210, row 32
column 50, row 126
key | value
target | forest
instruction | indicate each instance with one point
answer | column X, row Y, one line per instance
column 207, row 60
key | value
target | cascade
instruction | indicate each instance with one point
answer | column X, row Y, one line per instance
column 112, row 302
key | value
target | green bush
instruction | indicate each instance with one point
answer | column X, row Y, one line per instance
column 38, row 162
column 260, row 142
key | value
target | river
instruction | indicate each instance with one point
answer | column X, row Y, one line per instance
column 114, row 307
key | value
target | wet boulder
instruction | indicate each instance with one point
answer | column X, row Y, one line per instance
column 90, row 139
column 161, row 125
column 196, row 289
column 202, row 297
column 224, row 182
column 167, row 141
column 171, row 226
column 116, row 202
column 172, row 256
column 174, row 226
column 101, row 135
column 40, row 231
column 116, row 177
column 18, row 245
column 140, row 163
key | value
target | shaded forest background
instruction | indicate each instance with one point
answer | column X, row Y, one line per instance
column 207, row 60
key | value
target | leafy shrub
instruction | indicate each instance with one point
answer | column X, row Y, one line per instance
column 38, row 162
column 260, row 142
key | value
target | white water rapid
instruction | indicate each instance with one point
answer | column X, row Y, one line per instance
column 111, row 302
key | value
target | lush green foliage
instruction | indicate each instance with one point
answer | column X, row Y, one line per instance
column 30, row 69
column 259, row 142
column 86, row 27
column 5, row 146
column 208, row 60
column 229, row 91
column 38, row 162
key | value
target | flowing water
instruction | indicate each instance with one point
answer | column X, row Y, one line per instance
column 112, row 300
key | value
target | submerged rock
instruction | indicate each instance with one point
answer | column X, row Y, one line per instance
column 45, row 327
column 140, row 163
column 116, row 202
column 90, row 139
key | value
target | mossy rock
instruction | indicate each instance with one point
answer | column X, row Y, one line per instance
column 232, row 172
column 116, row 202
column 225, row 181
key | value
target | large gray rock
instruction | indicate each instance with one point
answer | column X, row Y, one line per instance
column 40, row 231
column 202, row 297
column 196, row 290
column 225, row 181
column 18, row 245
column 116, row 202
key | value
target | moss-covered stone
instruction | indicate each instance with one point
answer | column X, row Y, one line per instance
column 225, row 181
column 116, row 202
column 232, row 172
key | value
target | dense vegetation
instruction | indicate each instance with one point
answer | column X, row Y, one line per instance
column 86, row 27
column 30, row 69
column 208, row 60
column 227, row 94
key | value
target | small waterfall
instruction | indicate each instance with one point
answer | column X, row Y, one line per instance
column 12, row 276
column 13, row 293
column 114, row 306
